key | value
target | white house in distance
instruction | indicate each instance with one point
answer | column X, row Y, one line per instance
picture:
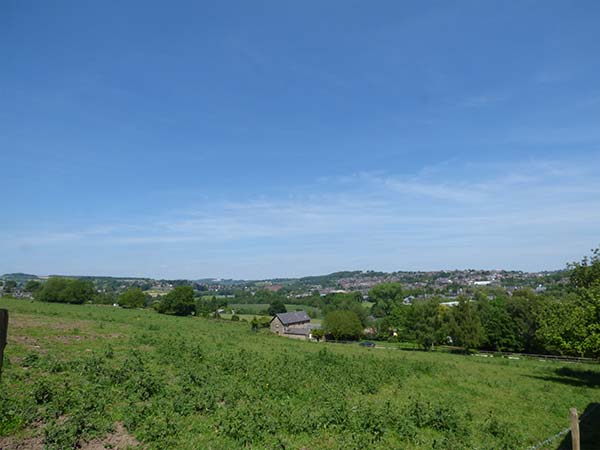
column 293, row 324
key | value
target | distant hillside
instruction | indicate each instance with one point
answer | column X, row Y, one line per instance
column 357, row 280
column 19, row 277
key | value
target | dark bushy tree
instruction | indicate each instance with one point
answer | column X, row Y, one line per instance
column 343, row 325
column 586, row 273
column 32, row 286
column 178, row 302
column 500, row 329
column 105, row 298
column 276, row 307
column 207, row 306
column 523, row 308
column 427, row 323
column 9, row 286
column 465, row 328
column 385, row 296
column 571, row 325
column 132, row 298
column 562, row 326
column 65, row 290
column 347, row 302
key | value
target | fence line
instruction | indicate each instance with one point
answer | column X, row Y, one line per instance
column 553, row 357
column 539, row 445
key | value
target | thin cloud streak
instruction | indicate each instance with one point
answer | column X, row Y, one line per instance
column 369, row 208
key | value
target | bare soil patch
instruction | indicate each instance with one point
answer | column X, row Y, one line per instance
column 119, row 439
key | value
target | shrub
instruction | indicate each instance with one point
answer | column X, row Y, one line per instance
column 65, row 290
column 132, row 298
column 342, row 325
column 276, row 307
column 178, row 302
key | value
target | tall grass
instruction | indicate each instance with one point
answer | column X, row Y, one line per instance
column 72, row 372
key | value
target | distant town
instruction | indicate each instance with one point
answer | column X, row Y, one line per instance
column 445, row 284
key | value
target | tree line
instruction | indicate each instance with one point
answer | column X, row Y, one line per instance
column 563, row 322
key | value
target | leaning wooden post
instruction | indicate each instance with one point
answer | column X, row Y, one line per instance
column 575, row 429
column 3, row 334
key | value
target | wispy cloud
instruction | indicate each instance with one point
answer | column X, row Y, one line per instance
column 517, row 206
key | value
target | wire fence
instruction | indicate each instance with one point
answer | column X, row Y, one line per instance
column 563, row 432
column 534, row 356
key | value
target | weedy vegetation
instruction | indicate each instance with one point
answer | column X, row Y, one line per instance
column 72, row 373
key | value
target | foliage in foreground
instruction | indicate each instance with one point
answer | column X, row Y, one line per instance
column 179, row 382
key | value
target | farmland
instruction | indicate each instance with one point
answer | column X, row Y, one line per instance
column 80, row 373
column 261, row 308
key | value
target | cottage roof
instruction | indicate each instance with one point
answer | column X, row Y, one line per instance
column 290, row 318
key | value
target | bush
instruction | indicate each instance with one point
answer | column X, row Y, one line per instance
column 178, row 302
column 65, row 290
column 343, row 325
column 132, row 298
column 276, row 307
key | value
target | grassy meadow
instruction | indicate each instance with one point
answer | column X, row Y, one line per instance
column 75, row 375
column 261, row 308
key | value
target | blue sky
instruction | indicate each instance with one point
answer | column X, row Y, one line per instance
column 262, row 139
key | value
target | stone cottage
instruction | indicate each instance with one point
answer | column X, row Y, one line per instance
column 292, row 324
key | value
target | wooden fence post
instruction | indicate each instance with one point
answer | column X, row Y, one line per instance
column 3, row 334
column 575, row 429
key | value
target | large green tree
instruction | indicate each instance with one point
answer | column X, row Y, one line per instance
column 276, row 307
column 428, row 323
column 32, row 286
column 562, row 326
column 9, row 286
column 347, row 302
column 66, row 290
column 523, row 308
column 178, row 302
column 342, row 325
column 384, row 296
column 465, row 329
column 206, row 306
column 400, row 320
column 500, row 330
column 132, row 298
column 585, row 274
column 571, row 325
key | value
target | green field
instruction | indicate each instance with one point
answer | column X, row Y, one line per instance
column 249, row 317
column 261, row 308
column 77, row 374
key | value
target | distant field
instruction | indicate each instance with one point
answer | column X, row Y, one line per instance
column 208, row 297
column 156, row 292
column 249, row 317
column 83, row 375
column 256, row 308
column 261, row 308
